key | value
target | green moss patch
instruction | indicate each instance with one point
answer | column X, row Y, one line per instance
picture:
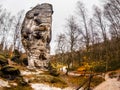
column 50, row 80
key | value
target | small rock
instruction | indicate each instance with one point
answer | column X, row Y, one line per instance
column 4, row 83
column 13, row 84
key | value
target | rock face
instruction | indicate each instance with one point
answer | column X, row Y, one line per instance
column 36, row 35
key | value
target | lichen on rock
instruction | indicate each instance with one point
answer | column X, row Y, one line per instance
column 36, row 35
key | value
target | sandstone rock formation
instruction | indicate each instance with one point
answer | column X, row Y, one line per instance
column 36, row 35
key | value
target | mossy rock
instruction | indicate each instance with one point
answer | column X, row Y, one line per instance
column 10, row 72
column 3, row 60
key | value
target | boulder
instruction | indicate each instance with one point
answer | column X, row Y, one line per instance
column 9, row 72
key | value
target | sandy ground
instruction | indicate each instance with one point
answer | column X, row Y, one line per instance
column 109, row 84
column 38, row 86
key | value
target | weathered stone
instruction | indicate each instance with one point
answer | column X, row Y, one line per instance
column 36, row 35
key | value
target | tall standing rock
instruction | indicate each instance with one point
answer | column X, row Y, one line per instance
column 36, row 35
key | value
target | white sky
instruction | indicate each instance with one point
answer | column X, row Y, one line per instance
column 62, row 10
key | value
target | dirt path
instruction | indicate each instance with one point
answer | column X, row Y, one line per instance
column 109, row 84
column 46, row 87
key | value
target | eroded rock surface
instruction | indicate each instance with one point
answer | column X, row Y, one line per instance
column 36, row 35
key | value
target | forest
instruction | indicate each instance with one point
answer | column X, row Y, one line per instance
column 91, row 41
column 90, row 44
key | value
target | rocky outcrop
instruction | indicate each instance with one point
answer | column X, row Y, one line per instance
column 36, row 35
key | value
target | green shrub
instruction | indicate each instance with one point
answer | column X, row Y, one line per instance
column 98, row 66
column 114, row 64
column 52, row 70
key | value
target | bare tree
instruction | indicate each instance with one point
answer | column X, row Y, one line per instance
column 6, row 22
column 17, row 31
column 93, row 32
column 72, row 33
column 112, row 13
column 61, row 47
column 84, row 31
column 61, row 43
column 72, row 39
column 100, row 22
column 10, row 28
column 2, row 16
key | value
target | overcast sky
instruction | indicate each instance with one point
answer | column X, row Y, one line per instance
column 62, row 10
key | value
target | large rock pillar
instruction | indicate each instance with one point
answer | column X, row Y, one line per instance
column 36, row 35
